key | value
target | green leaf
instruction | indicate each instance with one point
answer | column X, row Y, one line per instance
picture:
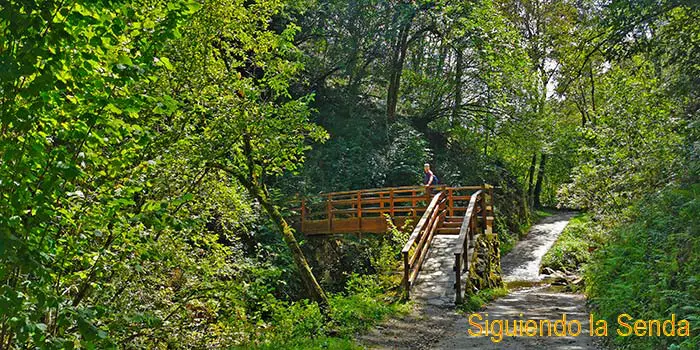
column 112, row 108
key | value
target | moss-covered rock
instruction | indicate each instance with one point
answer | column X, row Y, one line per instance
column 485, row 265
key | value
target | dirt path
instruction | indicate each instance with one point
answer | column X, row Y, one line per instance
column 440, row 327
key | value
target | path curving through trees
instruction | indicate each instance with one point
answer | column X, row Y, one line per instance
column 440, row 327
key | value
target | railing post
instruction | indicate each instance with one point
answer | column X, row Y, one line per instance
column 329, row 214
column 449, row 193
column 406, row 272
column 472, row 226
column 391, row 203
column 359, row 210
column 458, row 278
column 465, row 254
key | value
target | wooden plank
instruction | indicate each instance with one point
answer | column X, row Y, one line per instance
column 315, row 226
column 424, row 236
column 369, row 225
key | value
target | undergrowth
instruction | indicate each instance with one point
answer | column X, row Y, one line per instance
column 366, row 300
column 574, row 246
column 650, row 269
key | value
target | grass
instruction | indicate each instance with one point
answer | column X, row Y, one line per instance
column 541, row 213
column 350, row 314
column 573, row 248
column 476, row 302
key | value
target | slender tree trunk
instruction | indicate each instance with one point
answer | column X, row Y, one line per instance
column 310, row 283
column 540, row 178
column 307, row 277
column 399, row 56
column 458, row 88
column 531, row 178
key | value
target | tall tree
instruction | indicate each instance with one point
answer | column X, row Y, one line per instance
column 235, row 64
column 403, row 22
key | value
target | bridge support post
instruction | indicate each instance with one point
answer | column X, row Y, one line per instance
column 406, row 272
column 458, row 278
column 482, row 205
column 329, row 214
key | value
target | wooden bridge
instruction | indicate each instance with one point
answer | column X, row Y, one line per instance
column 462, row 212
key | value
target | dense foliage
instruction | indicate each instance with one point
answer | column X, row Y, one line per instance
column 149, row 150
column 650, row 268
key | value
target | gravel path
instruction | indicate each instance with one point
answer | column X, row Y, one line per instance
column 523, row 262
column 440, row 327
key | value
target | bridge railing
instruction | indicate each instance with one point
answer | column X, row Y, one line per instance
column 475, row 220
column 416, row 248
column 364, row 210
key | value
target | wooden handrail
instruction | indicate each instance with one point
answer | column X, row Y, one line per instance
column 464, row 230
column 466, row 234
column 420, row 238
column 386, row 190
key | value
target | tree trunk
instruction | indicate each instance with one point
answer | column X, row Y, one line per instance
column 399, row 56
column 307, row 277
column 458, row 89
column 310, row 283
column 540, row 178
column 531, row 178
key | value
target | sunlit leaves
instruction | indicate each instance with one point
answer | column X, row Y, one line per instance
column 70, row 169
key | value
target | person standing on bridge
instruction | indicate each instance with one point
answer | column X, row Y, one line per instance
column 429, row 179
